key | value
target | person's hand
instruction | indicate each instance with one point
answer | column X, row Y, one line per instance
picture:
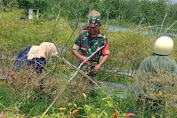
column 97, row 69
column 87, row 62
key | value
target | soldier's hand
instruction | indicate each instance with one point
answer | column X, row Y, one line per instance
column 87, row 62
column 97, row 69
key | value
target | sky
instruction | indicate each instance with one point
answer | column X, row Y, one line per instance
column 174, row 1
column 171, row 1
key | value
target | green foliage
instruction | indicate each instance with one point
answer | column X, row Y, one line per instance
column 16, row 35
column 172, row 13
column 153, row 12
column 43, row 5
column 128, row 49
column 158, row 90
column 5, row 100
column 124, row 10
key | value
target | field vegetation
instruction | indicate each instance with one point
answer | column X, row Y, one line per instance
column 20, row 94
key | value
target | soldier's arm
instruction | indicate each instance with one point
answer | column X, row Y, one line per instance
column 79, row 56
column 98, row 67
column 76, row 49
column 106, row 54
column 103, row 60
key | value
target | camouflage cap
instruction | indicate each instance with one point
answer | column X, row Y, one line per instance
column 94, row 21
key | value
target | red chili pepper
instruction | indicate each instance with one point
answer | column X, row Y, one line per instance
column 3, row 115
column 22, row 116
column 130, row 114
column 115, row 115
column 75, row 111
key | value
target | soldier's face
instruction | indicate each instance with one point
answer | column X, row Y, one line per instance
column 94, row 30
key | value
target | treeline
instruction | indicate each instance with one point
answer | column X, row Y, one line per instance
column 152, row 11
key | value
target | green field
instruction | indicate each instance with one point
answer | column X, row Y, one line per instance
column 20, row 93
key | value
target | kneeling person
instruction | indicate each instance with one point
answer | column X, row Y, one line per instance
column 35, row 57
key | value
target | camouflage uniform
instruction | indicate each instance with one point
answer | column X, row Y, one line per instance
column 87, row 46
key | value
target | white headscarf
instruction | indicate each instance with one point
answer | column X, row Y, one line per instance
column 45, row 50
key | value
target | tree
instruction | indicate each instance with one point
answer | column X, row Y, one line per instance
column 43, row 5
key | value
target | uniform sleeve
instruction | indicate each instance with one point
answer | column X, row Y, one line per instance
column 77, row 44
column 143, row 68
column 105, row 50
column 174, row 69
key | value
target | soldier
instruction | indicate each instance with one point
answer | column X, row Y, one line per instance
column 87, row 43
column 92, row 13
